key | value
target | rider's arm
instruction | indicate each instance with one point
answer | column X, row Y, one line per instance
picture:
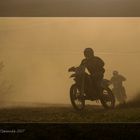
column 83, row 62
column 123, row 78
column 83, row 65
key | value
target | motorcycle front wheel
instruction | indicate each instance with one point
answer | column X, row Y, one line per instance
column 107, row 99
column 77, row 100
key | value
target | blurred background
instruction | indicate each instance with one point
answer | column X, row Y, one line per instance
column 37, row 52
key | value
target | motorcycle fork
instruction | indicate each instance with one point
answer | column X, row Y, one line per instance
column 83, row 85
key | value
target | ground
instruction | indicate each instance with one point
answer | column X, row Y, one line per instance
column 56, row 113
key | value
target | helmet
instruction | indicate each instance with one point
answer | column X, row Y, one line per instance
column 115, row 72
column 88, row 52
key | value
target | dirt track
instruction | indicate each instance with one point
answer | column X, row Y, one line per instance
column 68, row 114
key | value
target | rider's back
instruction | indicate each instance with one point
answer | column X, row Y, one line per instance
column 94, row 65
column 117, row 81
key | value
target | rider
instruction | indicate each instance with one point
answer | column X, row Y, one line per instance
column 94, row 66
column 117, row 82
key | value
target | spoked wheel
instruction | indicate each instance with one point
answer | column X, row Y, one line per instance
column 77, row 100
column 107, row 99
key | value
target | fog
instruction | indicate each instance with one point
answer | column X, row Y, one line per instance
column 38, row 51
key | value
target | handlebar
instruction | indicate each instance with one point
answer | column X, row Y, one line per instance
column 71, row 69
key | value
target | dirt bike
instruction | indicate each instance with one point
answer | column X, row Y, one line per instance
column 83, row 89
column 120, row 94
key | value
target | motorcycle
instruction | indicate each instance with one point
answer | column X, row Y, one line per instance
column 83, row 89
column 120, row 94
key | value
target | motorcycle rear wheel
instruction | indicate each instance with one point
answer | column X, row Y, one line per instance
column 76, row 98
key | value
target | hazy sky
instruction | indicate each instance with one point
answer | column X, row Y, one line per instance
column 38, row 51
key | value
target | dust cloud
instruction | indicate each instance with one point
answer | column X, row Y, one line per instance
column 38, row 51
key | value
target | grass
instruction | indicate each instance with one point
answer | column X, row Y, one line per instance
column 68, row 114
